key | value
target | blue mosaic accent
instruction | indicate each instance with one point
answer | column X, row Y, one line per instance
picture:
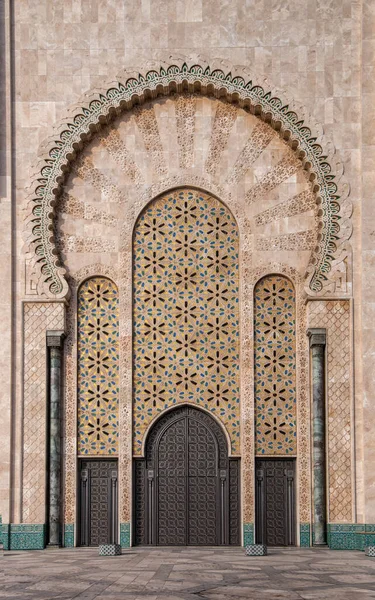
column 125, row 535
column 23, row 536
column 304, row 535
column 69, row 535
column 369, row 538
column 5, row 538
column 248, row 534
column 351, row 536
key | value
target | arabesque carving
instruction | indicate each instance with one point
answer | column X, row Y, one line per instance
column 43, row 267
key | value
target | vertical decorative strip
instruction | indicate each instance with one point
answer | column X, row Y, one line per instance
column 98, row 368
column 125, row 535
column 304, row 535
column 38, row 318
column 275, row 366
column 248, row 534
column 68, row 535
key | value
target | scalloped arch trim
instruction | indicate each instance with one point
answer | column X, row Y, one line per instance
column 123, row 96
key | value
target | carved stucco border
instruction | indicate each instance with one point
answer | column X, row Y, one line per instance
column 100, row 107
column 252, row 276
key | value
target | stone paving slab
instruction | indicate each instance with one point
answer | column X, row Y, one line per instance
column 188, row 574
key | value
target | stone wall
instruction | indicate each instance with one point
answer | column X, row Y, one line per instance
column 61, row 50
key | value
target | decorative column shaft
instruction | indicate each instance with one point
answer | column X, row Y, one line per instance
column 55, row 345
column 317, row 346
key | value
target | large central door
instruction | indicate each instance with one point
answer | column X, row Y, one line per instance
column 183, row 487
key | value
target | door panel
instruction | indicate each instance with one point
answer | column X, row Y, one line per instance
column 171, row 497
column 202, row 485
column 275, row 513
column 182, row 487
column 98, row 502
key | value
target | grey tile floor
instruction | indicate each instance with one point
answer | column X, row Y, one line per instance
column 188, row 574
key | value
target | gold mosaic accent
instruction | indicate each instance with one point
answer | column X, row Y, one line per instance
column 98, row 367
column 275, row 366
column 186, row 315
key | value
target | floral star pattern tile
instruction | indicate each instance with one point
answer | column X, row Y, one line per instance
column 98, row 367
column 186, row 314
column 275, row 366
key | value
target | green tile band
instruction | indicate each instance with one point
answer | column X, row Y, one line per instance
column 125, row 535
column 304, row 535
column 351, row 536
column 248, row 534
column 23, row 536
column 69, row 535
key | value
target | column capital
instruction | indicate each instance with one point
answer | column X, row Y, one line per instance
column 55, row 338
column 317, row 337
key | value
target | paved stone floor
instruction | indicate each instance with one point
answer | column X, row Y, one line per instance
column 188, row 574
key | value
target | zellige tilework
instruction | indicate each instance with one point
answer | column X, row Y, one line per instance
column 98, row 367
column 186, row 315
column 275, row 366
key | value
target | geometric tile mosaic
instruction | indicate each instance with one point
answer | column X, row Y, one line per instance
column 304, row 535
column 275, row 366
column 248, row 534
column 125, row 535
column 186, row 313
column 98, row 367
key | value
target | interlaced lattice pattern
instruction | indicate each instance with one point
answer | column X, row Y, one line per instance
column 335, row 317
column 186, row 325
column 38, row 318
column 98, row 367
column 275, row 366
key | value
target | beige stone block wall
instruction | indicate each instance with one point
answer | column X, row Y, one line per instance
column 6, row 270
column 313, row 50
column 367, row 359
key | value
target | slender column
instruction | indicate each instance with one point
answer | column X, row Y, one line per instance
column 317, row 346
column 55, row 345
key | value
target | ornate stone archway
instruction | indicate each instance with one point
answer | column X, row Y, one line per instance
column 46, row 275
column 270, row 132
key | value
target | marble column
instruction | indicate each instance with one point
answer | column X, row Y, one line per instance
column 317, row 346
column 55, row 340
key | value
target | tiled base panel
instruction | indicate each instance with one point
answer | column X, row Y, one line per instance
column 340, row 537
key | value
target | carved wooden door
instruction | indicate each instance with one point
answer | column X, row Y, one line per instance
column 187, row 488
column 275, row 502
column 98, row 502
column 171, row 486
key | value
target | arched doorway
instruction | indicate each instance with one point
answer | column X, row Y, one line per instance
column 186, row 487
